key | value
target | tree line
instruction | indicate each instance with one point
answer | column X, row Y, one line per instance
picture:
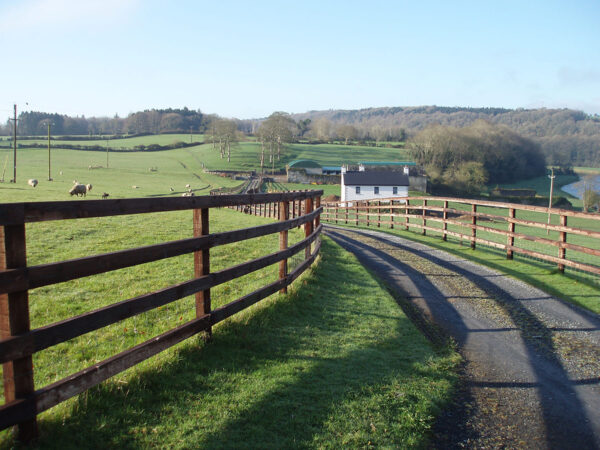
column 153, row 121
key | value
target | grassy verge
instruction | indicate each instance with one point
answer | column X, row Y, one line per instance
column 334, row 363
column 577, row 288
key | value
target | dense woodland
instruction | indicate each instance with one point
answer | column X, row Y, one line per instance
column 566, row 137
column 465, row 159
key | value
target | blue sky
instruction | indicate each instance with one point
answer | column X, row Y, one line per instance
column 247, row 59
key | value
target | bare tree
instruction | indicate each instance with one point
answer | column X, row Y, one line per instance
column 347, row 133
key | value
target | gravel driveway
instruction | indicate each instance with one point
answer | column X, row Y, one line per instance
column 532, row 362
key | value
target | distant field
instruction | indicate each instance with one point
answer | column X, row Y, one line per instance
column 160, row 139
column 246, row 155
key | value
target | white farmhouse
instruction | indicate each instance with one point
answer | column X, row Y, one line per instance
column 370, row 185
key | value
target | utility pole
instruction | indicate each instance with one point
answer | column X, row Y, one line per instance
column 552, row 177
column 49, row 173
column 14, row 180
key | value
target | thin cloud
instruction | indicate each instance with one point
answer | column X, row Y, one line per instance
column 30, row 14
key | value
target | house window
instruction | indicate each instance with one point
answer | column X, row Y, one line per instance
column 358, row 189
column 376, row 189
column 395, row 190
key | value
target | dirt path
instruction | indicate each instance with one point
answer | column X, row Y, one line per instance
column 532, row 362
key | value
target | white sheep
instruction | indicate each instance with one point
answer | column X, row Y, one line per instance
column 135, row 187
column 33, row 182
column 187, row 186
column 88, row 187
column 187, row 194
column 171, row 189
column 78, row 189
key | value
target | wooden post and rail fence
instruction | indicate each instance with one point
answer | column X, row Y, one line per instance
column 495, row 220
column 18, row 342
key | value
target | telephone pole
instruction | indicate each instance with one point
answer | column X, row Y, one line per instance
column 14, row 180
column 49, row 174
column 552, row 177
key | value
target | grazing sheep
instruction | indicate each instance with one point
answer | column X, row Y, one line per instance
column 187, row 194
column 60, row 173
column 88, row 187
column 78, row 189
column 187, row 186
column 33, row 182
column 171, row 189
column 135, row 187
column 104, row 195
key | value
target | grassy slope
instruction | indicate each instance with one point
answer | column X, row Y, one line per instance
column 301, row 370
column 176, row 168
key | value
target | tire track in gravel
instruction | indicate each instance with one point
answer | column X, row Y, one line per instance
column 532, row 362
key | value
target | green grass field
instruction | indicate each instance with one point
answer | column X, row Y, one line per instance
column 160, row 139
column 302, row 370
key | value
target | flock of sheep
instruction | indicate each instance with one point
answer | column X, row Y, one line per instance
column 80, row 189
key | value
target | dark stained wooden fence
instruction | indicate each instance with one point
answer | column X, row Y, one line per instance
column 494, row 220
column 18, row 342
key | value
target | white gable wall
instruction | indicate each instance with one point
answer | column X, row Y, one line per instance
column 368, row 192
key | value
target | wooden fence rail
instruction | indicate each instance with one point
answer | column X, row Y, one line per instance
column 466, row 216
column 18, row 342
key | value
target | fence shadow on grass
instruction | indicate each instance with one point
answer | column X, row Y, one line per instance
column 299, row 344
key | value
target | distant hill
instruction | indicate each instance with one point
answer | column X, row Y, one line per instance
column 566, row 136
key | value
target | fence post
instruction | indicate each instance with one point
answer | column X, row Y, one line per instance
column 378, row 213
column 346, row 214
column 356, row 210
column 392, row 214
column 317, row 205
column 367, row 210
column 14, row 320
column 308, row 207
column 473, row 224
column 406, row 213
column 445, row 223
column 202, row 265
column 284, row 214
column 510, row 240
column 424, row 220
column 562, row 252
column 335, row 214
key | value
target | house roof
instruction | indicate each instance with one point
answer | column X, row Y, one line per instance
column 375, row 178
column 332, row 168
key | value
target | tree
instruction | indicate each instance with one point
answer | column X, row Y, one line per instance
column 321, row 129
column 590, row 197
column 347, row 132
column 277, row 130
column 226, row 135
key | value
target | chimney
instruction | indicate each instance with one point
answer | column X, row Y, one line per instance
column 405, row 170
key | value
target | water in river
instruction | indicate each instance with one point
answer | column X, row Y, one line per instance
column 576, row 189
